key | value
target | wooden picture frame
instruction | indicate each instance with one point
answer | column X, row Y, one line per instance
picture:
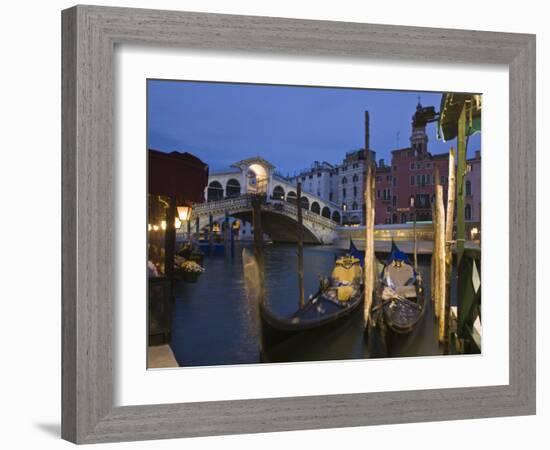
column 90, row 34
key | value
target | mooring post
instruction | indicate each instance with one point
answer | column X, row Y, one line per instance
column 415, row 243
column 300, row 238
column 460, row 191
column 440, row 259
column 170, row 238
column 210, row 233
column 451, row 194
column 197, row 229
column 436, row 246
column 369, row 240
column 232, row 242
column 258, row 238
column 226, row 234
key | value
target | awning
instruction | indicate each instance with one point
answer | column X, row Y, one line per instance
column 182, row 176
column 451, row 107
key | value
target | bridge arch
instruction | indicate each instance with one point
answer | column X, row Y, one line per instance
column 278, row 193
column 292, row 198
column 257, row 177
column 326, row 212
column 316, row 208
column 215, row 191
column 304, row 202
column 232, row 188
column 336, row 217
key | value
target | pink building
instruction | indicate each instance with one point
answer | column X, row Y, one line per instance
column 473, row 189
column 413, row 172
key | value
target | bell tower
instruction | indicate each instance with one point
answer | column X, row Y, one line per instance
column 419, row 138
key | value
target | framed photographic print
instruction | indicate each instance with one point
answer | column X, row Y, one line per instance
column 268, row 222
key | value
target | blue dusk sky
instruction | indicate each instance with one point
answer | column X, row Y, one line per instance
column 291, row 127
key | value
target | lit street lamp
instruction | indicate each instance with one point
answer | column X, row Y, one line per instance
column 184, row 213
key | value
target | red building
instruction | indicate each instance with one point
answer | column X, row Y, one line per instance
column 412, row 173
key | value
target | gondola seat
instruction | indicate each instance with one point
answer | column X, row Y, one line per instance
column 400, row 278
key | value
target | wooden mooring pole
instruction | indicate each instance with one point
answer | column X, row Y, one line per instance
column 439, row 258
column 415, row 258
column 170, row 239
column 446, row 307
column 197, row 229
column 258, row 238
column 210, row 234
column 436, row 236
column 300, row 238
column 226, row 231
column 432, row 264
column 369, row 240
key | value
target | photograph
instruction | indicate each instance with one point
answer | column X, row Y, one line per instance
column 290, row 224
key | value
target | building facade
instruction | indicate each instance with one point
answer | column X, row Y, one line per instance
column 320, row 180
column 472, row 187
column 413, row 172
column 351, row 186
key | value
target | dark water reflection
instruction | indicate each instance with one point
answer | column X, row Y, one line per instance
column 214, row 322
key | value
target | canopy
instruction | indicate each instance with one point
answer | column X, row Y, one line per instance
column 397, row 255
column 451, row 107
column 182, row 176
column 356, row 253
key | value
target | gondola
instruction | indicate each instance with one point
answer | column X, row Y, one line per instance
column 337, row 299
column 399, row 304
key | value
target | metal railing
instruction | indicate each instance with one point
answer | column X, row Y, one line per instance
column 469, row 298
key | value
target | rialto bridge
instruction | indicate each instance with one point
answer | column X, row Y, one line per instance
column 229, row 195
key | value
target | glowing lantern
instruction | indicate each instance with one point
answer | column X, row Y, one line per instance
column 184, row 213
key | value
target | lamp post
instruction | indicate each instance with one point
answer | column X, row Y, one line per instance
column 411, row 204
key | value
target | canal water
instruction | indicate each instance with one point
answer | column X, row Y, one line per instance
column 214, row 323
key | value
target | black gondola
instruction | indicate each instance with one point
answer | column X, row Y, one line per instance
column 337, row 299
column 399, row 302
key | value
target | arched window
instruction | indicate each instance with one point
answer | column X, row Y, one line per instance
column 403, row 218
column 315, row 208
column 326, row 212
column 468, row 212
column 354, row 206
column 336, row 217
column 233, row 188
column 215, row 191
column 355, row 178
column 292, row 198
column 355, row 191
column 304, row 202
column 344, row 180
column 468, row 188
column 278, row 193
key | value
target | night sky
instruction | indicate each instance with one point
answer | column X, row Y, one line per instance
column 291, row 127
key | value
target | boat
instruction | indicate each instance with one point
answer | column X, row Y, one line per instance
column 356, row 253
column 337, row 299
column 399, row 301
